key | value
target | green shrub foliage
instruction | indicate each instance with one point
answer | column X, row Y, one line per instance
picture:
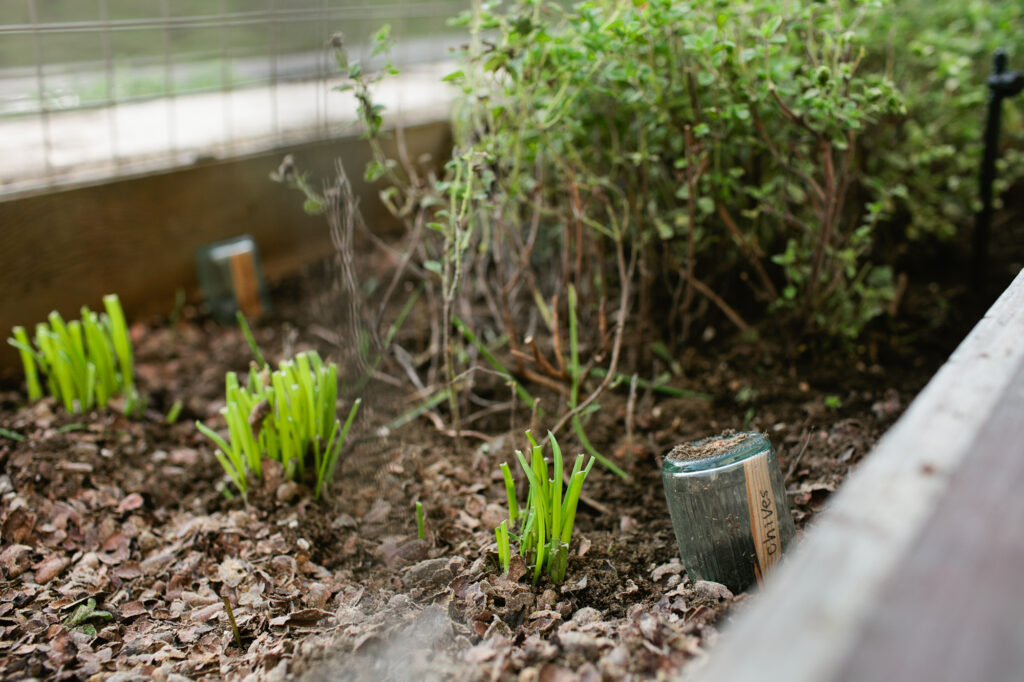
column 716, row 141
column 745, row 154
column 673, row 167
column 925, row 167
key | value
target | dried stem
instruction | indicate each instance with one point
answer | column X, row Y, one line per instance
column 752, row 252
column 706, row 291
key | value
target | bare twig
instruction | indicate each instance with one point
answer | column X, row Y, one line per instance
column 487, row 411
column 405, row 361
column 799, row 455
column 733, row 316
column 342, row 208
column 827, row 220
column 751, row 251
column 788, row 113
column 231, row 619
column 556, row 336
column 691, row 185
column 403, row 264
column 766, row 138
column 542, row 361
column 438, row 423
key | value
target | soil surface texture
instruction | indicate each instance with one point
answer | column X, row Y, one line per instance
column 122, row 559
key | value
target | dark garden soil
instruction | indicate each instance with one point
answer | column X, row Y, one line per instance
column 127, row 513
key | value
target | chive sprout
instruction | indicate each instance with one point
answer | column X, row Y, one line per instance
column 250, row 339
column 289, row 415
column 504, row 549
column 510, row 492
column 84, row 363
column 174, row 412
column 546, row 521
column 420, row 529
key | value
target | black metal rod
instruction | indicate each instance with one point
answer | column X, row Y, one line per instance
column 1001, row 84
column 983, row 220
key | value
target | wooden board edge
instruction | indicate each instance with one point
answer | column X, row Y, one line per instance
column 801, row 626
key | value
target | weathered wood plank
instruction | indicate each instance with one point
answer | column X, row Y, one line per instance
column 137, row 236
column 801, row 628
column 955, row 608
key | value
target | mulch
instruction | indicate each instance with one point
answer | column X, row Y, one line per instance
column 120, row 551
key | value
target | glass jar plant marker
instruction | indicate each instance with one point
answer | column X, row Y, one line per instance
column 231, row 277
column 728, row 506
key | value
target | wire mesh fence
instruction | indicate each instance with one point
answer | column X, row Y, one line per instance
column 90, row 88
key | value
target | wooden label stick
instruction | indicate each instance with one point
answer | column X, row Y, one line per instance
column 247, row 288
column 764, row 514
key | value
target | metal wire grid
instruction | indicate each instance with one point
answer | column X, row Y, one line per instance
column 68, row 56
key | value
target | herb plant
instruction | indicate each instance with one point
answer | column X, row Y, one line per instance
column 80, row 617
column 546, row 522
column 289, row 415
column 82, row 363
column 940, row 54
column 633, row 175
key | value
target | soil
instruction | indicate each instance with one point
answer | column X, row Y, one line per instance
column 706, row 448
column 123, row 523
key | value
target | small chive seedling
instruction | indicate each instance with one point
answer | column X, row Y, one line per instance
column 420, row 529
column 504, row 548
column 84, row 363
column 293, row 412
column 547, row 520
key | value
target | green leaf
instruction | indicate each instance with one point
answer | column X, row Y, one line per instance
column 771, row 26
column 375, row 170
column 12, row 435
column 381, row 40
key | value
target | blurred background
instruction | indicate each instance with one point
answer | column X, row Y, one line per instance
column 92, row 89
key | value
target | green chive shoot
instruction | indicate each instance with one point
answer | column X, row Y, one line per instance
column 420, row 530
column 504, row 550
column 289, row 415
column 250, row 339
column 84, row 363
column 546, row 522
column 510, row 491
column 12, row 435
column 174, row 412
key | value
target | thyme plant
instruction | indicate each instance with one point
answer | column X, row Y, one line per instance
column 634, row 175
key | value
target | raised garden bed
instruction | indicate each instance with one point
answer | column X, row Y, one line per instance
column 911, row 573
column 658, row 222
column 97, row 506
